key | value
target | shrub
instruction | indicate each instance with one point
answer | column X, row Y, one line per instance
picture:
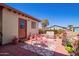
column 69, row 49
column 41, row 31
column 77, row 50
column 58, row 31
column 55, row 31
column 68, row 44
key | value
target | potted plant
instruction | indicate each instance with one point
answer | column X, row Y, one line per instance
column 15, row 40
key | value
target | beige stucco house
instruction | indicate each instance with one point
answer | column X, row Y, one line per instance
column 15, row 23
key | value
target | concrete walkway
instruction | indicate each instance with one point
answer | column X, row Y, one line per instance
column 60, row 49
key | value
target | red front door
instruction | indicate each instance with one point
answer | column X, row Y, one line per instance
column 22, row 28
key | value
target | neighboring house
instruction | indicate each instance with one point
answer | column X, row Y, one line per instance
column 15, row 23
column 74, row 29
column 56, row 27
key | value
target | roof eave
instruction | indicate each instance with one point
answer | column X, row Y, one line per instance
column 6, row 6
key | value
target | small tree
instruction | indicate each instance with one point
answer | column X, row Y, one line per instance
column 45, row 23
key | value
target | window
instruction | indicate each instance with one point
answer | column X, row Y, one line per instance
column 33, row 24
column 22, row 24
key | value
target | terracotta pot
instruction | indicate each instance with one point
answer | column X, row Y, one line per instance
column 15, row 40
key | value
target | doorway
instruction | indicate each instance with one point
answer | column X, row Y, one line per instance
column 22, row 28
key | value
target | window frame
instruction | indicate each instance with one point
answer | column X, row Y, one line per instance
column 22, row 24
column 33, row 25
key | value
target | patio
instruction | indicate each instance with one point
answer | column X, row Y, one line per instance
column 15, row 50
column 53, row 48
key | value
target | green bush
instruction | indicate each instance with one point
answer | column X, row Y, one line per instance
column 68, row 44
column 58, row 31
column 69, row 49
column 41, row 31
column 55, row 31
column 77, row 49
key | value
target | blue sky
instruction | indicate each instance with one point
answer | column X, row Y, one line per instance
column 56, row 13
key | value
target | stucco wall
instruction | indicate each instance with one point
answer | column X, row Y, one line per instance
column 34, row 30
column 0, row 20
column 9, row 26
column 0, row 25
column 31, row 30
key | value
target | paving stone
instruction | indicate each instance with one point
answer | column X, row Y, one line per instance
column 38, row 51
